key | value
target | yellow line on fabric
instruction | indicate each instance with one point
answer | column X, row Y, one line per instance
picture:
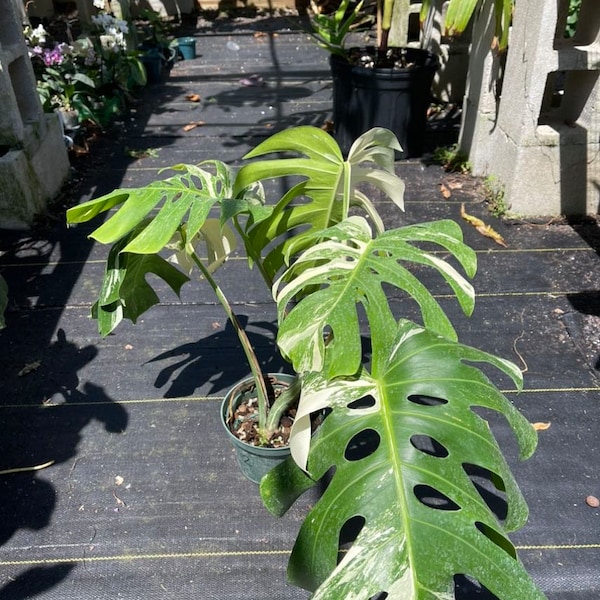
column 217, row 398
column 225, row 553
column 135, row 557
column 560, row 547
column 552, row 390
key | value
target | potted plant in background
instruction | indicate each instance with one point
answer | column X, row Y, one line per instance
column 398, row 439
column 386, row 85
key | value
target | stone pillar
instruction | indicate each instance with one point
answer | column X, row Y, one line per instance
column 541, row 138
column 33, row 156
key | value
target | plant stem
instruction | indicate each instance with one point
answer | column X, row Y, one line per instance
column 261, row 387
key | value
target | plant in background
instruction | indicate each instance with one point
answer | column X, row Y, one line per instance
column 94, row 75
column 452, row 159
column 400, row 442
column 331, row 30
column 495, row 197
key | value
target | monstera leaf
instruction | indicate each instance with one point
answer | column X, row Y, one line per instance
column 328, row 186
column 164, row 206
column 348, row 268
column 171, row 214
column 401, row 446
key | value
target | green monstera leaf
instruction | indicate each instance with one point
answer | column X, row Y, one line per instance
column 167, row 215
column 329, row 186
column 401, row 446
column 349, row 267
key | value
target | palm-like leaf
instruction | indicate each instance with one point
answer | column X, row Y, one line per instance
column 328, row 183
column 349, row 267
column 424, row 519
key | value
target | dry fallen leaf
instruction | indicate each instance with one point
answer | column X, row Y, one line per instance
column 541, row 426
column 455, row 185
column 193, row 125
column 446, row 193
column 193, row 98
column 29, row 368
column 592, row 501
column 483, row 229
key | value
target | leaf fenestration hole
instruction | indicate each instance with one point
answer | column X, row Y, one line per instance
column 364, row 402
column 426, row 400
column 348, row 534
column 433, row 498
column 466, row 588
column 490, row 487
column 363, row 444
column 429, row 445
column 495, row 536
column 379, row 596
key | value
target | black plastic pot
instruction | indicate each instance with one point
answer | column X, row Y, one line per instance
column 397, row 99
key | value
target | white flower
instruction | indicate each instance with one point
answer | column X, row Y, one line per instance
column 99, row 4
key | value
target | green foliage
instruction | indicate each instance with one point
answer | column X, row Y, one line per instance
column 330, row 30
column 460, row 12
column 572, row 18
column 424, row 520
column 349, row 267
column 94, row 75
column 324, row 245
column 452, row 159
column 494, row 196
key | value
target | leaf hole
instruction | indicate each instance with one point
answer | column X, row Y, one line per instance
column 433, row 498
column 426, row 400
column 379, row 596
column 363, row 444
column 490, row 487
column 429, row 445
column 495, row 536
column 467, row 588
column 364, row 402
column 348, row 533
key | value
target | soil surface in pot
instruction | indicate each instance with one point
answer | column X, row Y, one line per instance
column 243, row 421
column 371, row 57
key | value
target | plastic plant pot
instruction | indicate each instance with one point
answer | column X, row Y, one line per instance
column 187, row 47
column 254, row 461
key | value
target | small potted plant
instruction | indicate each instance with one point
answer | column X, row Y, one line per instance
column 182, row 225
column 399, row 441
column 384, row 85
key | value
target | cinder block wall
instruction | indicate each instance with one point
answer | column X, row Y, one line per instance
column 541, row 135
column 33, row 157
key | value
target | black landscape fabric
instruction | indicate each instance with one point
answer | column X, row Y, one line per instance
column 143, row 499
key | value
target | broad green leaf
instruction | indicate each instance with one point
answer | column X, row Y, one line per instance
column 125, row 293
column 349, row 268
column 185, row 198
column 325, row 186
column 400, row 465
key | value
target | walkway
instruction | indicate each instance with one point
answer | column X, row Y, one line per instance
column 143, row 500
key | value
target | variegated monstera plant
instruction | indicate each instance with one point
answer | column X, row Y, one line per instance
column 400, row 437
